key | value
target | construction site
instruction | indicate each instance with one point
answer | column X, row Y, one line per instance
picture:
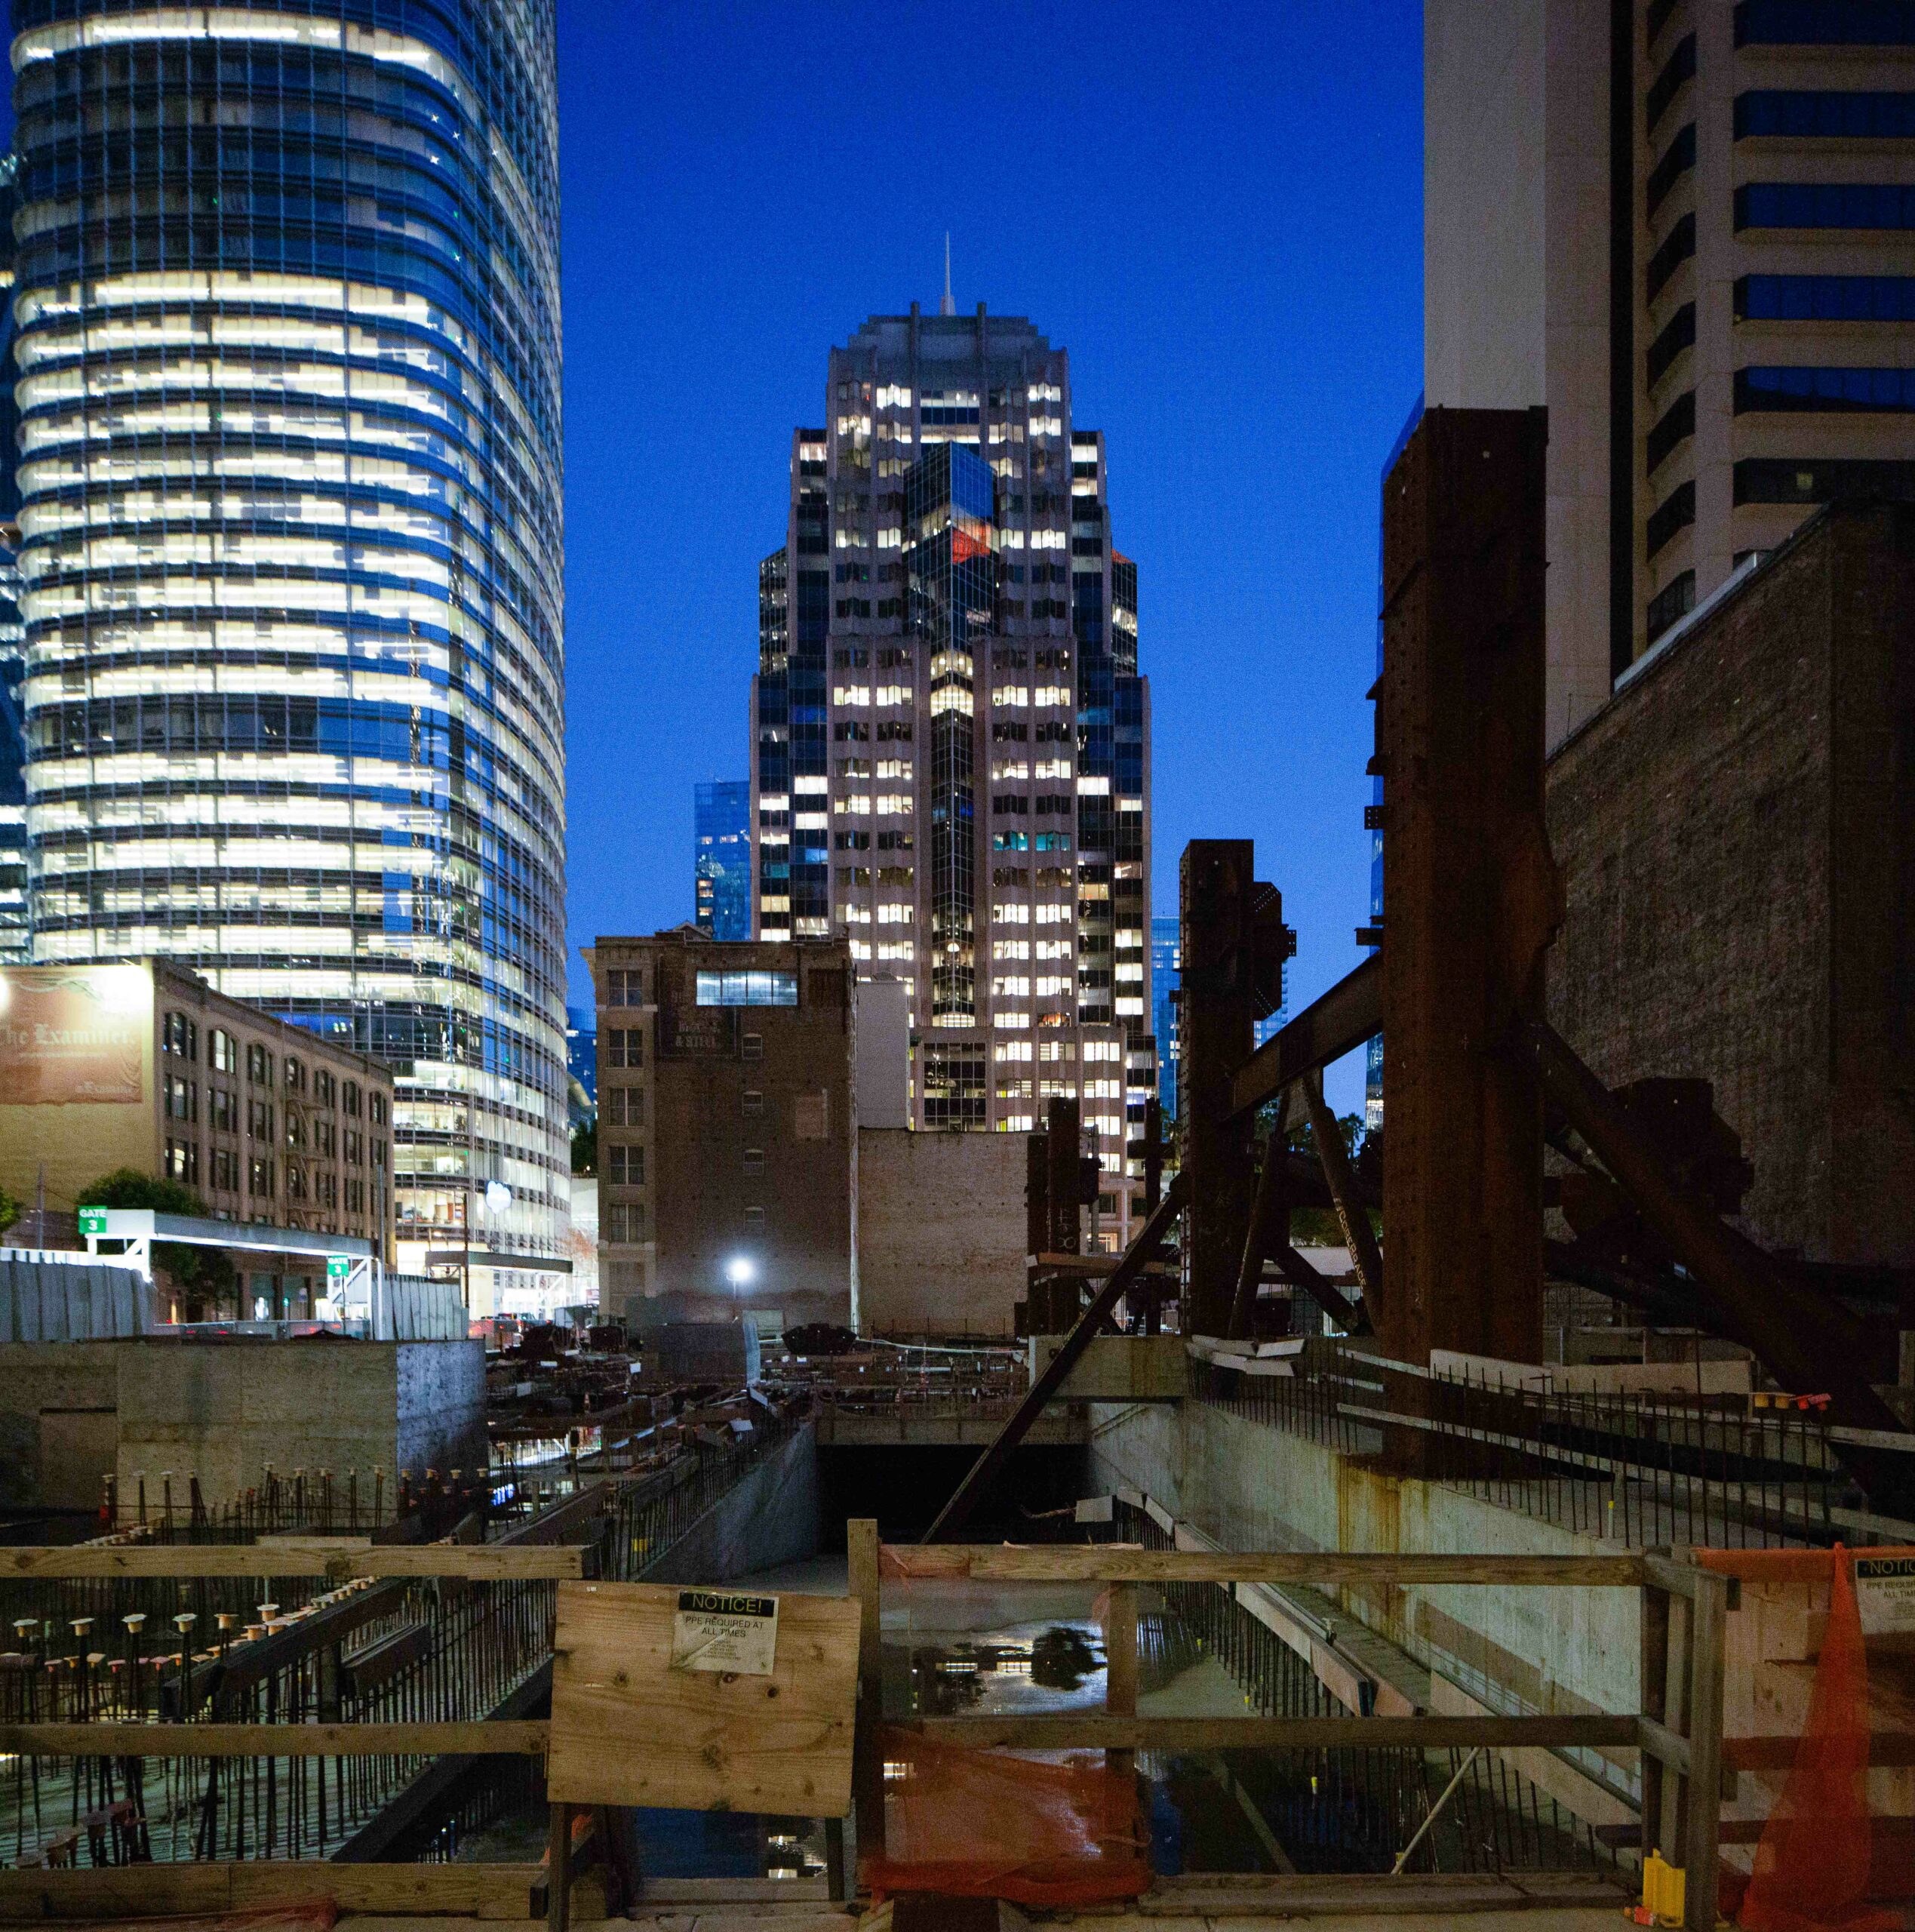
column 1553, row 1554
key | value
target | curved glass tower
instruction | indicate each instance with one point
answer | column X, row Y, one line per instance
column 287, row 329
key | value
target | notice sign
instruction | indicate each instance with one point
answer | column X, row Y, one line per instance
column 1885, row 1593
column 723, row 1630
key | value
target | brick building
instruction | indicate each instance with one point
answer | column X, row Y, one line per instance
column 142, row 1064
column 1736, row 831
column 726, row 1138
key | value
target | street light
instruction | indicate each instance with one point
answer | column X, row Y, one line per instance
column 739, row 1272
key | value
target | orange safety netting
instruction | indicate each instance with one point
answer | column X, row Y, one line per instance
column 982, row 1824
column 1813, row 1861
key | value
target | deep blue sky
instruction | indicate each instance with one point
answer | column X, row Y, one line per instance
column 1216, row 209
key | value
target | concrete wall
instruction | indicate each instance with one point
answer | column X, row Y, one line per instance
column 941, row 1232
column 769, row 1518
column 44, row 1392
column 222, row 1412
column 1736, row 831
column 1253, row 1487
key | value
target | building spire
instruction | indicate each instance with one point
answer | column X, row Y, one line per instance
column 947, row 306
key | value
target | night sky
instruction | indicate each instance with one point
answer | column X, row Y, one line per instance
column 1217, row 210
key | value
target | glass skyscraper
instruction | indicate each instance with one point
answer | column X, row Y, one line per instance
column 1166, row 972
column 722, row 848
column 287, row 329
column 950, row 735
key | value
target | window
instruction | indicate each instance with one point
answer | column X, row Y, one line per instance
column 1676, row 425
column 222, row 1109
column 625, row 986
column 295, row 1076
column 223, row 1051
column 625, row 1221
column 1881, row 205
column 377, row 1108
column 1865, row 116
column 325, row 1138
column 1820, row 479
column 1825, row 23
column 755, row 1160
column 624, row 1106
column 748, row 989
column 1678, row 71
column 259, row 1119
column 1679, row 246
column 1679, row 334
column 751, row 1101
column 1840, row 390
column 755, row 1221
column 182, row 1098
column 1825, row 298
column 752, row 1047
column 180, row 1035
column 295, row 1130
column 625, row 1167
column 355, row 1195
column 355, row 1144
column 182, row 1162
column 1676, row 511
column 225, row 1170
column 625, row 1046
column 325, row 1088
column 351, row 1097
column 1675, row 600
column 259, row 1175
column 259, row 1064
column 1678, row 158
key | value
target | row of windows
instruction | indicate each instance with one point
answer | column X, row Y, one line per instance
column 1887, row 204
column 1822, row 479
column 180, row 1038
column 1862, row 115
column 1825, row 23
column 747, row 988
column 1825, row 298
column 1819, row 389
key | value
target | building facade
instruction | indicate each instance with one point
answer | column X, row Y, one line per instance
column 721, row 853
column 726, row 1133
column 1688, row 226
column 1166, row 970
column 286, row 307
column 140, row 1065
column 951, row 767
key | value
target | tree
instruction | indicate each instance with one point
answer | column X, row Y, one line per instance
column 201, row 1273
column 10, row 1210
column 1318, row 1227
column 584, row 1147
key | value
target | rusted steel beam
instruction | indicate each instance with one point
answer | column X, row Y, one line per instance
column 1268, row 1230
column 1149, row 1237
column 1337, row 1023
column 1321, row 1290
column 1064, row 1145
column 1470, row 895
column 1350, row 1214
column 1808, row 1341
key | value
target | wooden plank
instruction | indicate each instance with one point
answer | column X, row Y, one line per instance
column 475, row 1891
column 521, row 1738
column 1651, row 1693
column 1082, row 1563
column 1093, row 1729
column 1702, row 1839
column 863, row 1575
column 488, row 1562
column 710, row 1741
column 1278, row 1895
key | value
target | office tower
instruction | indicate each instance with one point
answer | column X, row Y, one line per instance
column 1166, row 969
column 951, row 740
column 15, row 941
column 292, row 543
column 721, row 849
column 1687, row 226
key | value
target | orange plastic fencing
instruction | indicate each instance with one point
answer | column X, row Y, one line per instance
column 986, row 1824
column 1815, row 1862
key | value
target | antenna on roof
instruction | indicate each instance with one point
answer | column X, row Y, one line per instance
column 947, row 306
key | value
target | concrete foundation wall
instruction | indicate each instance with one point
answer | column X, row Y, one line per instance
column 941, row 1232
column 770, row 1518
column 1253, row 1488
column 71, row 1413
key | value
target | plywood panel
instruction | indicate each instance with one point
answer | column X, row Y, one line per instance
column 627, row 1729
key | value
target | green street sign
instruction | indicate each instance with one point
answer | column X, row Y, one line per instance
column 338, row 1266
column 93, row 1220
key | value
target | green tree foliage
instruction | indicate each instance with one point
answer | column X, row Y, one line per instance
column 584, row 1147
column 1318, row 1227
column 198, row 1272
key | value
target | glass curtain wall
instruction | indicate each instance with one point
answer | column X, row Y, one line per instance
column 288, row 340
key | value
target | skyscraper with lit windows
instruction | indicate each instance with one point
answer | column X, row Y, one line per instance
column 288, row 327
column 721, row 858
column 951, row 738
